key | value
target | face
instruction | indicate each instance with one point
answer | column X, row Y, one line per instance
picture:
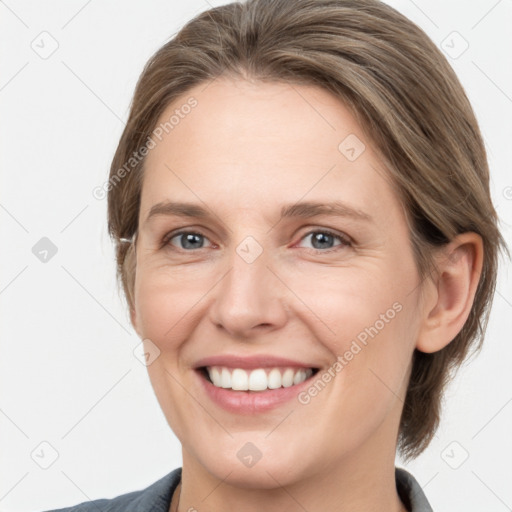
column 248, row 278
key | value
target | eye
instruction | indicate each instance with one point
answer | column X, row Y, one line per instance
column 322, row 240
column 185, row 240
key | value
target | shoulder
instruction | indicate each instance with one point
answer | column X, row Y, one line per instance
column 411, row 492
column 154, row 498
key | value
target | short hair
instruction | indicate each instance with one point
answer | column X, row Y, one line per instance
column 407, row 99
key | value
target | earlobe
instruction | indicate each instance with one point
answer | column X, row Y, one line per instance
column 459, row 269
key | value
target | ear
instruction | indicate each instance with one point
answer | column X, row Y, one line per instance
column 450, row 295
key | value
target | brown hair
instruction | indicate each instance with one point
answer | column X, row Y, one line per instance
column 402, row 91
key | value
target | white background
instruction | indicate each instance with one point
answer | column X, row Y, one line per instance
column 68, row 375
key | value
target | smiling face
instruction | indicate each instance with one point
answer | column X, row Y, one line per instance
column 261, row 281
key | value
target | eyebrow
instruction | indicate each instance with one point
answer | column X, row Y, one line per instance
column 304, row 209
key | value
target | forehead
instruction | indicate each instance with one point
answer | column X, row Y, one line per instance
column 257, row 145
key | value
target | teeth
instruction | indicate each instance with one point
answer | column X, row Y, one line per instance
column 288, row 378
column 239, row 380
column 259, row 379
column 274, row 380
column 215, row 377
column 225, row 378
column 299, row 377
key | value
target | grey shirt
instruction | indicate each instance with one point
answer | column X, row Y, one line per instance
column 157, row 497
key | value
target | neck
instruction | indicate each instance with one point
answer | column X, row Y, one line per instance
column 320, row 493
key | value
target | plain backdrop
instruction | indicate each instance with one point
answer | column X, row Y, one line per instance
column 78, row 417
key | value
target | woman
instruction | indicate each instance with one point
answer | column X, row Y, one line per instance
column 306, row 240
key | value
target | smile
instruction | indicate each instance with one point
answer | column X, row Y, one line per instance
column 257, row 379
column 253, row 384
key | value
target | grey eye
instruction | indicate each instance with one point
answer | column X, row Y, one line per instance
column 188, row 240
column 325, row 240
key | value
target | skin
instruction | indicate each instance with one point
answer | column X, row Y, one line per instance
column 246, row 149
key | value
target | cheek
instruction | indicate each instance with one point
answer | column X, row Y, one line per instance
column 166, row 303
column 167, row 308
column 378, row 355
column 368, row 321
column 371, row 377
column 344, row 304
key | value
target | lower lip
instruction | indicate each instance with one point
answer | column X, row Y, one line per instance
column 251, row 402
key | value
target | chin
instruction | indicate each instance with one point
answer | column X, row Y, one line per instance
column 239, row 463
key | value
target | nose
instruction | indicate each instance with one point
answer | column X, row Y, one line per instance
column 249, row 299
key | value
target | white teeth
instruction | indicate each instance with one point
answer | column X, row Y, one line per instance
column 239, row 380
column 225, row 378
column 288, row 378
column 216, row 378
column 257, row 379
column 274, row 379
column 299, row 377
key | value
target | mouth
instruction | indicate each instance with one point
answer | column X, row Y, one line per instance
column 256, row 379
column 252, row 384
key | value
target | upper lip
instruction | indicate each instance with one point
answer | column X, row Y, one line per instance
column 250, row 362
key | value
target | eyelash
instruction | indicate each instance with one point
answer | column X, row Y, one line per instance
column 344, row 239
